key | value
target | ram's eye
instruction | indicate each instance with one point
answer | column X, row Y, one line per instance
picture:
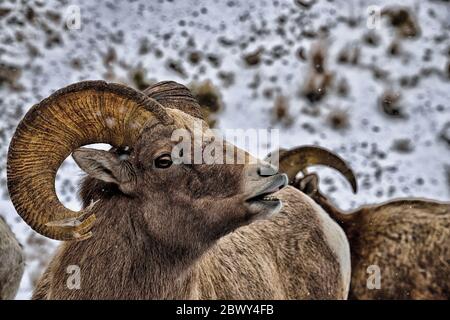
column 163, row 161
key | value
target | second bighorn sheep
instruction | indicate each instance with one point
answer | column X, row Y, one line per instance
column 405, row 243
column 12, row 263
column 165, row 229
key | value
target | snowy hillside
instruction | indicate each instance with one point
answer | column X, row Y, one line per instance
column 376, row 92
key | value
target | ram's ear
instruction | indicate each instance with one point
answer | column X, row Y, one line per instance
column 105, row 166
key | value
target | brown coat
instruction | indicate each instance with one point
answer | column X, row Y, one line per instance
column 12, row 263
column 406, row 240
column 409, row 240
column 298, row 254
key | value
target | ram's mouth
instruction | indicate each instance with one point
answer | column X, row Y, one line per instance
column 265, row 195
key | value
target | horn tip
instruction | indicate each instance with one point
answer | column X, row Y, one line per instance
column 354, row 187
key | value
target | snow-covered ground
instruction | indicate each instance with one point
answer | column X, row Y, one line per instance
column 253, row 52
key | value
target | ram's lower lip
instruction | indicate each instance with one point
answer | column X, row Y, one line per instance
column 263, row 203
column 263, row 207
column 265, row 198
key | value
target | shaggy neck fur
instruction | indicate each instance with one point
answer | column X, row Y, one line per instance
column 135, row 266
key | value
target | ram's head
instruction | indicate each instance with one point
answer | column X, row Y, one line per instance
column 164, row 185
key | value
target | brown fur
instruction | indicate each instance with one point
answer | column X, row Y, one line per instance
column 409, row 239
column 185, row 233
column 12, row 262
column 286, row 257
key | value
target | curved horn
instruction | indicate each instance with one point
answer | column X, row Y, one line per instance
column 298, row 159
column 80, row 114
column 176, row 96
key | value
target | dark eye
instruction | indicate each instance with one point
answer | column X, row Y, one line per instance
column 163, row 161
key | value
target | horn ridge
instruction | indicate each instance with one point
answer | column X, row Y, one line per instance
column 298, row 159
column 79, row 114
column 176, row 96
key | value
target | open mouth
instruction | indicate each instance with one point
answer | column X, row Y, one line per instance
column 267, row 191
column 263, row 197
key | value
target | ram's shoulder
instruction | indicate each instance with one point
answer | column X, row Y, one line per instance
column 294, row 200
column 310, row 221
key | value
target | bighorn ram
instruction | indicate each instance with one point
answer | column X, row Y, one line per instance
column 405, row 242
column 12, row 263
column 153, row 227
